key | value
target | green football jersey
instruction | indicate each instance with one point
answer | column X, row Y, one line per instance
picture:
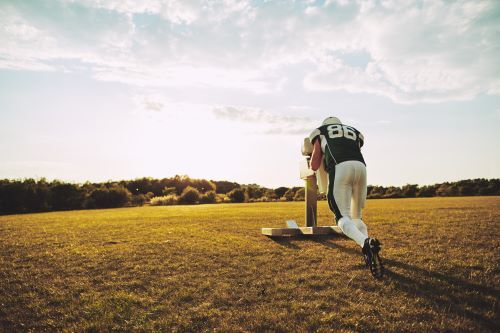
column 339, row 143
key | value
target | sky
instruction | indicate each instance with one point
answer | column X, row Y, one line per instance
column 227, row 90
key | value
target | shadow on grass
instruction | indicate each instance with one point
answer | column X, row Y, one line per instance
column 285, row 242
column 444, row 292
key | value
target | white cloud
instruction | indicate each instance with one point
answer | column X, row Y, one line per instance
column 432, row 52
column 156, row 105
column 355, row 80
column 374, row 79
column 176, row 11
column 252, row 114
column 245, row 114
column 189, row 76
column 149, row 103
column 24, row 64
column 339, row 2
column 269, row 123
column 122, row 6
column 20, row 43
column 312, row 10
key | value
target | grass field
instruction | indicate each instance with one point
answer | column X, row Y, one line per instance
column 205, row 268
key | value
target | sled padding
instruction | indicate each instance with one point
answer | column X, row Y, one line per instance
column 323, row 230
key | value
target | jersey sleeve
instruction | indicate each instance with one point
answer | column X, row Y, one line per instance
column 361, row 140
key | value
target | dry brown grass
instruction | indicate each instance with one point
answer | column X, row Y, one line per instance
column 200, row 268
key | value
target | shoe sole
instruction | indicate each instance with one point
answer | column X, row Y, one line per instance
column 376, row 266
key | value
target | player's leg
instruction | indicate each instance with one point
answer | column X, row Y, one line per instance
column 358, row 199
column 361, row 226
column 329, row 196
column 350, row 230
column 371, row 246
column 342, row 190
column 342, row 193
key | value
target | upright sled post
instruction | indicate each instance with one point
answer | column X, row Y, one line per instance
column 311, row 204
column 311, row 199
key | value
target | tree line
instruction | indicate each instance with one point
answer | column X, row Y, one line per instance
column 30, row 195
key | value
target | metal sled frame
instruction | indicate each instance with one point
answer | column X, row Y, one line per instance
column 311, row 228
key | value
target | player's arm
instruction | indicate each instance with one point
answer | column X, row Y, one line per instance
column 317, row 155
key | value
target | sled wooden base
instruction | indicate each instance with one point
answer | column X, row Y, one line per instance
column 282, row 232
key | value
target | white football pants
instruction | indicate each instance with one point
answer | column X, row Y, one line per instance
column 347, row 196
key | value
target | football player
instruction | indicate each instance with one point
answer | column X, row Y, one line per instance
column 338, row 146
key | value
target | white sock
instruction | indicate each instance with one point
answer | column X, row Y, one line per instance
column 350, row 230
column 361, row 226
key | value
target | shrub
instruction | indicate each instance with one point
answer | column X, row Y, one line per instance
column 376, row 192
column 300, row 195
column 66, row 197
column 280, row 191
column 209, row 198
column 392, row 192
column 166, row 200
column 24, row 196
column 119, row 196
column 254, row 191
column 139, row 200
column 262, row 199
column 223, row 186
column 426, row 191
column 222, row 198
column 270, row 195
column 189, row 196
column 409, row 191
column 168, row 190
column 289, row 194
column 115, row 196
column 203, row 185
column 237, row 195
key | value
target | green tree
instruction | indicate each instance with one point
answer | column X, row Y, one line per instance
column 223, row 186
column 409, row 190
column 426, row 191
column 300, row 195
column 139, row 200
column 289, row 194
column 189, row 196
column 237, row 195
column 254, row 191
column 209, row 197
column 66, row 196
column 393, row 192
column 270, row 194
column 113, row 197
column 376, row 192
column 280, row 191
column 168, row 190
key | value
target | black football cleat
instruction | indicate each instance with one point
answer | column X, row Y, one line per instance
column 371, row 249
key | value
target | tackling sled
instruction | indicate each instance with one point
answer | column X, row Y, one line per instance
column 311, row 203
